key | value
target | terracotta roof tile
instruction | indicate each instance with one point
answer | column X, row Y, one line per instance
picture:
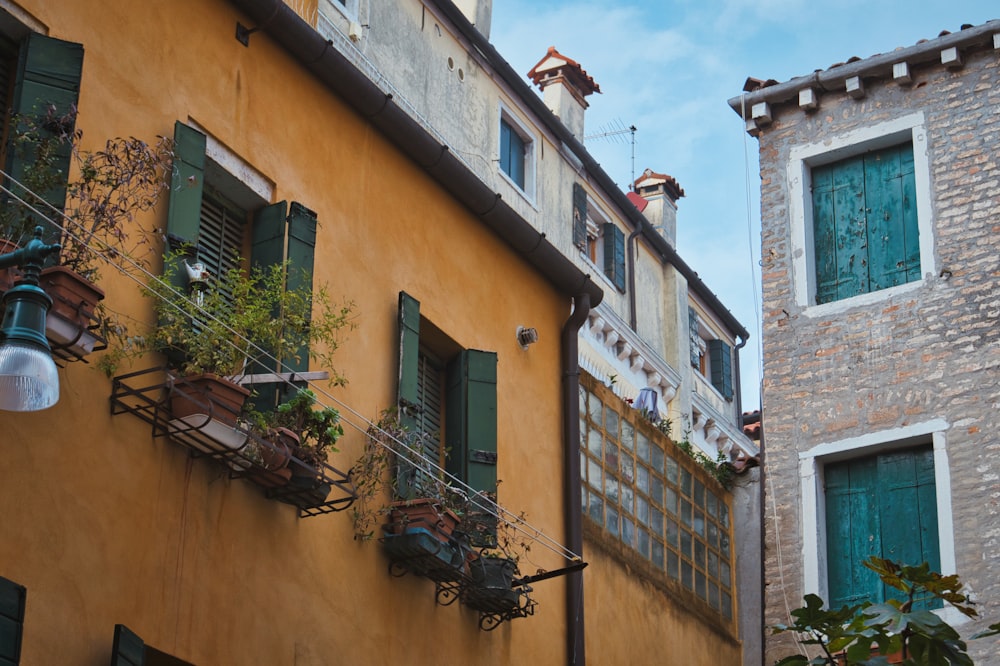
column 554, row 62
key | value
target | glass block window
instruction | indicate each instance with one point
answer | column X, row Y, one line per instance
column 648, row 494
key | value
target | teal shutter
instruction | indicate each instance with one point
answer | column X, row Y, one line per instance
column 883, row 505
column 720, row 358
column 128, row 649
column 579, row 216
column 12, row 602
column 471, row 415
column 865, row 224
column 512, row 153
column 614, row 254
column 909, row 511
column 840, row 230
column 853, row 533
column 893, row 241
column 48, row 76
column 301, row 254
column 187, row 184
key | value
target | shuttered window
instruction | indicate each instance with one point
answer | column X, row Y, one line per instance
column 512, row 153
column 884, row 505
column 614, row 254
column 579, row 216
column 12, row 602
column 721, row 364
column 47, row 74
column 458, row 393
column 204, row 225
column 865, row 218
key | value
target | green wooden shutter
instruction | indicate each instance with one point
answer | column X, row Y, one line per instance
column 614, row 254
column 187, row 183
column 408, row 394
column 301, row 254
column 883, row 505
column 12, row 602
column 128, row 649
column 48, row 75
column 471, row 415
column 852, row 531
column 893, row 238
column 579, row 216
column 908, row 505
column 267, row 248
column 840, row 235
column 720, row 359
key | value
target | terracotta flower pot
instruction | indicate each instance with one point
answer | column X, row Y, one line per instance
column 208, row 396
column 73, row 296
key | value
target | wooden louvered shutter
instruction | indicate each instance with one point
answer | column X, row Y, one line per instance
column 48, row 75
column 187, row 182
column 614, row 254
column 579, row 216
column 694, row 338
column 12, row 603
column 301, row 253
column 128, row 649
column 408, row 390
column 472, row 419
column 720, row 360
column 267, row 248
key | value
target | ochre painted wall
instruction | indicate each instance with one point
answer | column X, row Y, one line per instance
column 103, row 524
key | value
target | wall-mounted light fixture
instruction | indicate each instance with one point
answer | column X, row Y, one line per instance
column 29, row 380
column 526, row 336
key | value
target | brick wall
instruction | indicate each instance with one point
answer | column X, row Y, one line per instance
column 931, row 351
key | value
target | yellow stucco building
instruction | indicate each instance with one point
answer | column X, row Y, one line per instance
column 116, row 533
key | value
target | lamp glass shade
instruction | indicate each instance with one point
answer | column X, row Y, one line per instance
column 29, row 379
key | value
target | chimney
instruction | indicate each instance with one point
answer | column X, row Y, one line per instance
column 564, row 85
column 661, row 192
column 479, row 13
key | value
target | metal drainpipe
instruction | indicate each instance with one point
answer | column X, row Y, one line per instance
column 576, row 654
column 631, row 277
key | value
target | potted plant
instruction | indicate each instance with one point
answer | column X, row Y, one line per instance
column 210, row 338
column 311, row 431
column 109, row 187
column 493, row 589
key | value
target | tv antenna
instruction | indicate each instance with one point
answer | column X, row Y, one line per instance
column 615, row 132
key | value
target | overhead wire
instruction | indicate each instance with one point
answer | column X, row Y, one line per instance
column 514, row 521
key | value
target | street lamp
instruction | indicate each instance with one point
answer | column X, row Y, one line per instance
column 29, row 380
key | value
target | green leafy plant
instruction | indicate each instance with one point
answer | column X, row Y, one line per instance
column 317, row 427
column 241, row 317
column 847, row 635
column 720, row 469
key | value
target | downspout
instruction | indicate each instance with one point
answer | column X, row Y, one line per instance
column 738, row 391
column 576, row 654
column 630, row 244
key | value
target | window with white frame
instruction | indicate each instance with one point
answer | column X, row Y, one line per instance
column 598, row 238
column 885, row 493
column 710, row 356
column 861, row 214
column 517, row 153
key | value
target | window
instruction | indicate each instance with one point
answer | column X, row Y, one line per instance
column 641, row 494
column 710, row 356
column 517, row 154
column 602, row 241
column 216, row 219
column 348, row 8
column 865, row 218
column 451, row 392
column 12, row 598
column 39, row 77
column 883, row 505
column 859, row 203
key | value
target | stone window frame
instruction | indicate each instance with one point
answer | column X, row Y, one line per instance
column 909, row 128
column 813, row 497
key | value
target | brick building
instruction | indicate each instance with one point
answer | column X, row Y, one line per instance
column 880, row 205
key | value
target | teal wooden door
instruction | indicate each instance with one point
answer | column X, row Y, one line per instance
column 883, row 505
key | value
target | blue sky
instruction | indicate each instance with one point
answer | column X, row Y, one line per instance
column 669, row 66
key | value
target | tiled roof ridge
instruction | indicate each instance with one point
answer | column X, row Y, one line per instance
column 876, row 66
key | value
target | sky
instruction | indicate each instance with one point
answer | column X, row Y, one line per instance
column 670, row 66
